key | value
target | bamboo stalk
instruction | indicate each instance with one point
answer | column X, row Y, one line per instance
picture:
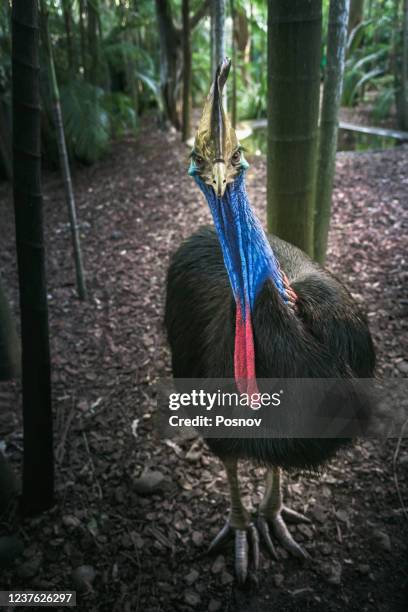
column 219, row 28
column 38, row 462
column 212, row 46
column 131, row 70
column 186, row 71
column 81, row 9
column 67, row 14
column 294, row 39
column 63, row 157
column 336, row 46
column 93, row 40
column 219, row 39
column 234, row 68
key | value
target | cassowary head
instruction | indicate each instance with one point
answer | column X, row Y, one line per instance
column 217, row 156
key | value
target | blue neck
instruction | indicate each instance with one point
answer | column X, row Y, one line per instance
column 248, row 256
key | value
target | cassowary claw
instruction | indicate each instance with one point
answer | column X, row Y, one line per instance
column 221, row 538
column 242, row 539
column 281, row 532
column 265, row 536
column 294, row 517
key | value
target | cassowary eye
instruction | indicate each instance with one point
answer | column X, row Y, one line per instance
column 198, row 160
column 236, row 158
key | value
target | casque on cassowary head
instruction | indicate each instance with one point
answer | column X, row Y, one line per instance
column 216, row 156
column 248, row 306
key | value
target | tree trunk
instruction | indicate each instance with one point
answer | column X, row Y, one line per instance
column 171, row 61
column 396, row 64
column 234, row 66
column 67, row 12
column 219, row 39
column 81, row 5
column 243, row 42
column 186, row 71
column 399, row 62
column 171, row 64
column 355, row 15
column 38, row 465
column 294, row 39
column 336, row 46
column 103, row 67
column 131, row 70
column 63, row 156
column 212, row 46
column 219, row 31
column 404, row 75
column 93, row 41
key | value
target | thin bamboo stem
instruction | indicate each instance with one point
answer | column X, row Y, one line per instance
column 336, row 48
column 63, row 159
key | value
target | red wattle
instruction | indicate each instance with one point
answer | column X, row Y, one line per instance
column 244, row 353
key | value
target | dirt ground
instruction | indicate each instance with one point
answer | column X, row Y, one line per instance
column 128, row 543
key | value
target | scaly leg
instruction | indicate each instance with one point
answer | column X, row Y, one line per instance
column 272, row 512
column 238, row 525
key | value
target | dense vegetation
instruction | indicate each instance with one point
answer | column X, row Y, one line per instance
column 113, row 66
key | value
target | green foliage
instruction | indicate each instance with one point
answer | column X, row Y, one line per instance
column 368, row 65
column 253, row 104
column 385, row 98
column 122, row 115
column 153, row 86
column 86, row 120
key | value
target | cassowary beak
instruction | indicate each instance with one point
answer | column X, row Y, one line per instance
column 219, row 178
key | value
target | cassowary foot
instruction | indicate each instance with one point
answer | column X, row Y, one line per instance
column 245, row 539
column 276, row 520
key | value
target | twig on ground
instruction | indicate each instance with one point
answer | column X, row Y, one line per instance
column 91, row 463
column 60, row 450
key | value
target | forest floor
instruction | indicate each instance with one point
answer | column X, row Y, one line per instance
column 129, row 542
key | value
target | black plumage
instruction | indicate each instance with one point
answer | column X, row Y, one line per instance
column 327, row 336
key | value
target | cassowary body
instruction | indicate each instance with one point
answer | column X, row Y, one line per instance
column 248, row 306
column 327, row 337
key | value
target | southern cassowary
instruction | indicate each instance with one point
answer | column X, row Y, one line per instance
column 248, row 306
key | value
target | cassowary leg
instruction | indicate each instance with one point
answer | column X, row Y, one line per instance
column 272, row 513
column 239, row 526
